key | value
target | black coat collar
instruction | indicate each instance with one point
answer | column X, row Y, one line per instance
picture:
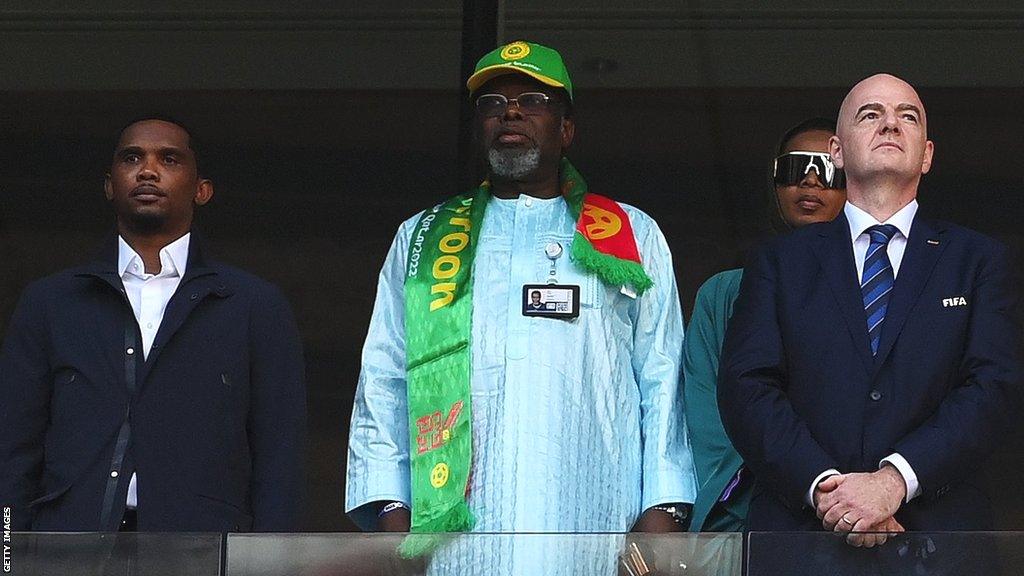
column 104, row 264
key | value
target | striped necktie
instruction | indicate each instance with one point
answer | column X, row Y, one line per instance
column 877, row 280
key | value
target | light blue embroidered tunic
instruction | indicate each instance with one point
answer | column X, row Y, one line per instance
column 577, row 424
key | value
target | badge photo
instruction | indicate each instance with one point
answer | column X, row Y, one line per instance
column 551, row 300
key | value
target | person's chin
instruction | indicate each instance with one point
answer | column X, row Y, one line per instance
column 887, row 168
column 146, row 220
column 513, row 163
column 803, row 219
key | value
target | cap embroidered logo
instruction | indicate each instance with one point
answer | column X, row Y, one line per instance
column 515, row 51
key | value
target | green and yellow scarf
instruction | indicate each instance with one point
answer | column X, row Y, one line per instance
column 438, row 314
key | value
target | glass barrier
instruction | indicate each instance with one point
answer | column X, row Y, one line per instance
column 112, row 554
column 354, row 554
column 912, row 553
column 484, row 554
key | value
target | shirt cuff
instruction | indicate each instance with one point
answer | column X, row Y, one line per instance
column 817, row 480
column 909, row 477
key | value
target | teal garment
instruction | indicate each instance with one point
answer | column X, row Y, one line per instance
column 714, row 457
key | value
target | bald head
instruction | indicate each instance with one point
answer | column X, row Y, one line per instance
column 881, row 142
column 876, row 89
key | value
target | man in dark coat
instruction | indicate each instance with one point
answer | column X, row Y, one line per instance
column 874, row 361
column 153, row 389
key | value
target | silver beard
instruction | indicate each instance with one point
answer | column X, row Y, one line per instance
column 513, row 163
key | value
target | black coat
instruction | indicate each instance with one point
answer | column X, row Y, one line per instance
column 213, row 420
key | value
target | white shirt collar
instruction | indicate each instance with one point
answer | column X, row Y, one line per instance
column 860, row 220
column 173, row 258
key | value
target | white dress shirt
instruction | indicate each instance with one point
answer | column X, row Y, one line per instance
column 148, row 295
column 860, row 221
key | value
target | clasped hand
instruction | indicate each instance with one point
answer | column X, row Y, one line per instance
column 861, row 504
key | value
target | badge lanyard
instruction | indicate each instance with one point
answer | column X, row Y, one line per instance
column 551, row 299
column 553, row 251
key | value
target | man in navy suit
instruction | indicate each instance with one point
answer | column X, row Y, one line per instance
column 872, row 362
column 152, row 389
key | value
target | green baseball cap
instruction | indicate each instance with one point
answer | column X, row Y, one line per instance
column 538, row 62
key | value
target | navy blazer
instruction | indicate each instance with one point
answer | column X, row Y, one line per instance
column 213, row 420
column 800, row 392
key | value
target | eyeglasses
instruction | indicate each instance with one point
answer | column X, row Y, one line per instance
column 792, row 168
column 528, row 103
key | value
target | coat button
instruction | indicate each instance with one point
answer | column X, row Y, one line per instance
column 876, row 395
column 194, row 296
column 130, row 351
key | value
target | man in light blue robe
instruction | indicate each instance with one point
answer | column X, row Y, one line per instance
column 577, row 423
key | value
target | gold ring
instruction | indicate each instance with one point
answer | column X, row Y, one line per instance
column 845, row 520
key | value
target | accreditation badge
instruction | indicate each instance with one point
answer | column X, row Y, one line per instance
column 551, row 300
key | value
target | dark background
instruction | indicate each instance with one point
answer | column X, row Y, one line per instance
column 325, row 127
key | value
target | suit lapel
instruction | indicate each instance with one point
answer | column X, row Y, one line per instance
column 924, row 247
column 834, row 251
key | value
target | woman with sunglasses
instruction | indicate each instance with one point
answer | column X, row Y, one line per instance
column 808, row 188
